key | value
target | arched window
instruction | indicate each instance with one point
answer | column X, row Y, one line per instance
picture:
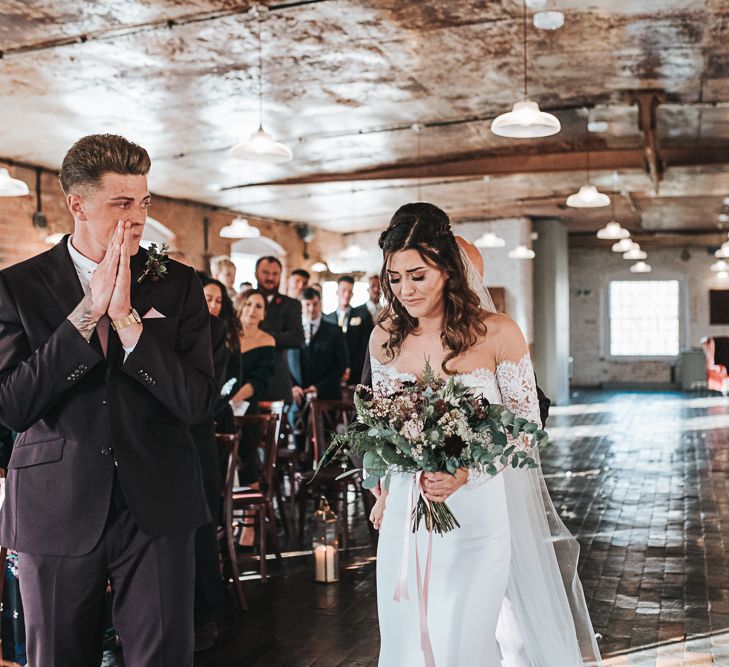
column 245, row 253
column 156, row 232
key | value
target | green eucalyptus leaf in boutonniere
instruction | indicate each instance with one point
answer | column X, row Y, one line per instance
column 156, row 266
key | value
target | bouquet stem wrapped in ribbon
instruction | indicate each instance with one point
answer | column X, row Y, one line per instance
column 433, row 424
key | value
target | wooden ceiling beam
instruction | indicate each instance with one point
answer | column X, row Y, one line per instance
column 605, row 160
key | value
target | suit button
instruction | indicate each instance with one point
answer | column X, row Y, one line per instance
column 104, row 402
column 107, row 451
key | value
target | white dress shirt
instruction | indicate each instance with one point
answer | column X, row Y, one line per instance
column 310, row 328
column 85, row 268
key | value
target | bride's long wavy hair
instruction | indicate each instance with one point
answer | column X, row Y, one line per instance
column 426, row 229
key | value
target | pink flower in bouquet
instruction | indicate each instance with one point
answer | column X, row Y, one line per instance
column 412, row 430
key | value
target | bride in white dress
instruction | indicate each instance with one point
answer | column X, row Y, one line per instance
column 504, row 585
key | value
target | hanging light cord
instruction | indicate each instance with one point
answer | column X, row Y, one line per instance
column 260, row 73
column 526, row 96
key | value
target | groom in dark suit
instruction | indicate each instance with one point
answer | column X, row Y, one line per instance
column 105, row 362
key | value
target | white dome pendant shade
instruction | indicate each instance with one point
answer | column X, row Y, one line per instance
column 11, row 187
column 613, row 231
column 490, row 240
column 623, row 245
column 588, row 196
column 635, row 253
column 721, row 265
column 239, row 229
column 641, row 267
column 261, row 147
column 723, row 252
column 525, row 121
column 521, row 252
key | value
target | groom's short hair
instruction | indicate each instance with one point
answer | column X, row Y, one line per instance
column 96, row 154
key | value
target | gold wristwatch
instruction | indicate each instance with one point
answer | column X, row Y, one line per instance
column 127, row 321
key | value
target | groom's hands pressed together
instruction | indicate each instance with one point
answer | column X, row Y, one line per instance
column 109, row 290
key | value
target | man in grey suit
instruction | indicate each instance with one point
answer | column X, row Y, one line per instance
column 283, row 322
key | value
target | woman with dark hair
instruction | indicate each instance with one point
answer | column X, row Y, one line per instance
column 257, row 360
column 512, row 563
column 221, row 306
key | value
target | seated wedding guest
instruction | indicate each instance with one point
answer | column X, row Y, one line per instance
column 356, row 324
column 228, row 323
column 374, row 303
column 107, row 366
column 283, row 322
column 223, row 269
column 298, row 280
column 317, row 366
column 257, row 362
column 224, row 334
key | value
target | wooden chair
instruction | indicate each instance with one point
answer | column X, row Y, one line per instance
column 716, row 350
column 280, row 409
column 261, row 500
column 325, row 418
column 228, row 464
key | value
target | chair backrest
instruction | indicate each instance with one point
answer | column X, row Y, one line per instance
column 227, row 459
column 721, row 350
column 275, row 408
column 265, row 429
column 326, row 418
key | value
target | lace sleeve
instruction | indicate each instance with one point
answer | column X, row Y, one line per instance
column 518, row 389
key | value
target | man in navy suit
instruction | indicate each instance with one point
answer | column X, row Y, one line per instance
column 356, row 324
column 317, row 366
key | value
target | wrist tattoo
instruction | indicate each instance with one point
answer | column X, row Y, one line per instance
column 82, row 317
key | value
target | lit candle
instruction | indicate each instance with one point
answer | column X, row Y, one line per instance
column 324, row 559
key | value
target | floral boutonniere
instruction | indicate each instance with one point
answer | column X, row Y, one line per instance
column 156, row 263
column 278, row 301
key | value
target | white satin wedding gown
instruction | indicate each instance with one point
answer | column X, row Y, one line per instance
column 483, row 573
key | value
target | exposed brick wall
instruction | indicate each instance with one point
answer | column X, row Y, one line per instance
column 20, row 240
column 590, row 271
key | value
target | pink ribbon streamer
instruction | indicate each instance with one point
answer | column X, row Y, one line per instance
column 401, row 588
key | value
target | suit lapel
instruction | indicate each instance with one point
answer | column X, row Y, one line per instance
column 60, row 277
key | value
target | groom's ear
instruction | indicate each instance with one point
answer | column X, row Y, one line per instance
column 76, row 206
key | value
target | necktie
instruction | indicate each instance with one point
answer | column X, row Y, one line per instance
column 102, row 330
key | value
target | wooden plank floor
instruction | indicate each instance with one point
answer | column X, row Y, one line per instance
column 639, row 477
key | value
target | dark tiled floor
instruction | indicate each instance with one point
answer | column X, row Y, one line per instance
column 639, row 477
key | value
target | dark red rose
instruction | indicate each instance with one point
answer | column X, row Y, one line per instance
column 278, row 301
column 364, row 392
column 453, row 445
column 441, row 407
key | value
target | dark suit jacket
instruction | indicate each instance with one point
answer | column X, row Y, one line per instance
column 321, row 362
column 283, row 322
column 81, row 416
column 358, row 325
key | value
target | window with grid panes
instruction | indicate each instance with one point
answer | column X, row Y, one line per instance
column 644, row 318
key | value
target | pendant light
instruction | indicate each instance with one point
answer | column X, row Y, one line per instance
column 613, row 230
column 261, row 146
column 588, row 195
column 635, row 253
column 525, row 120
column 623, row 245
column 721, row 265
column 641, row 267
column 722, row 275
column 319, row 267
column 489, row 239
column 352, row 251
column 723, row 251
column 11, row 187
column 521, row 252
column 239, row 229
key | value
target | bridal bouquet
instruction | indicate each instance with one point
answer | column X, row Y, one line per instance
column 432, row 425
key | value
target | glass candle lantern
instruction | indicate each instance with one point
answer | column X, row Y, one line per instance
column 325, row 543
